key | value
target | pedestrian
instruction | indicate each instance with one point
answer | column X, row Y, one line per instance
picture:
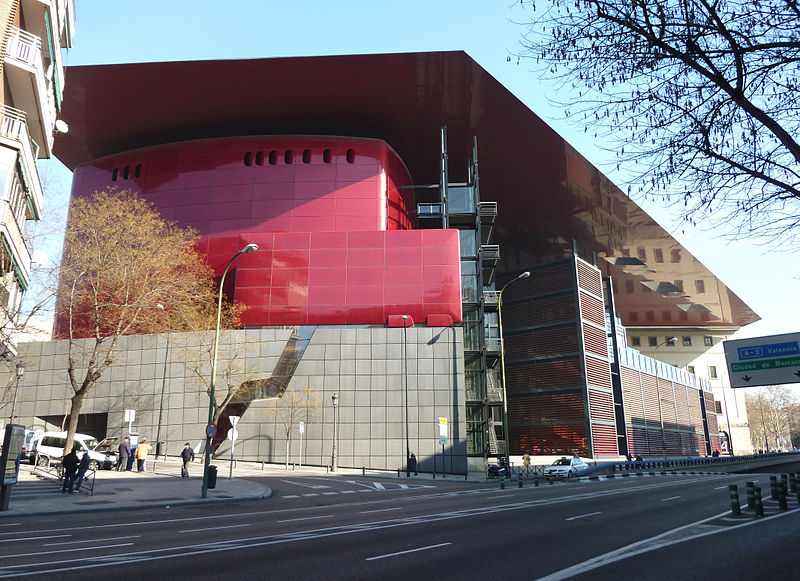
column 70, row 465
column 412, row 464
column 628, row 457
column 142, row 450
column 82, row 468
column 124, row 454
column 187, row 455
column 526, row 462
column 639, row 458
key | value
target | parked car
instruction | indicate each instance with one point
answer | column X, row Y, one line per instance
column 28, row 444
column 566, row 468
column 51, row 447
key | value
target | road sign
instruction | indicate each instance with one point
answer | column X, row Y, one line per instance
column 443, row 431
column 130, row 415
column 233, row 434
column 234, row 420
column 211, row 431
column 771, row 360
column 302, row 427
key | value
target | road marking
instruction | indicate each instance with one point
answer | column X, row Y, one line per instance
column 329, row 493
column 720, row 487
column 498, row 496
column 216, row 528
column 378, row 486
column 380, row 510
column 98, row 541
column 71, row 550
column 306, row 518
column 13, row 524
column 670, row 498
column 582, row 516
column 312, row 486
column 291, row 496
column 312, row 494
column 407, row 552
column 34, row 538
column 348, row 491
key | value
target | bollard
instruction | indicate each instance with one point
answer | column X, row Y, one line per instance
column 751, row 495
column 502, row 481
column 733, row 491
column 781, row 490
column 773, row 487
column 549, row 479
column 363, row 471
column 792, row 482
column 536, row 481
column 519, row 481
column 785, row 480
column 759, row 504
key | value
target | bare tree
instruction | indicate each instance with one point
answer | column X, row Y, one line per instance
column 770, row 413
column 294, row 407
column 698, row 99
column 120, row 260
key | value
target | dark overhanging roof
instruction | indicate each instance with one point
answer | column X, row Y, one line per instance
column 401, row 98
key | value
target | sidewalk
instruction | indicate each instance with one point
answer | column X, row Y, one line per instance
column 129, row 490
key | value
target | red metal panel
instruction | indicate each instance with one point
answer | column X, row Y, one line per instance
column 604, row 440
column 550, row 407
column 551, row 440
column 592, row 309
column 598, row 373
column 601, row 406
column 589, row 278
column 595, row 342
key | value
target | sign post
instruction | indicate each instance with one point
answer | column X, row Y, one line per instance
column 302, row 429
column 232, row 435
column 130, row 415
column 770, row 360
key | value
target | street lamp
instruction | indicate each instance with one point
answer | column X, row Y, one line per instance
column 20, row 370
column 249, row 249
column 334, row 467
column 161, row 402
column 405, row 373
column 670, row 340
column 525, row 274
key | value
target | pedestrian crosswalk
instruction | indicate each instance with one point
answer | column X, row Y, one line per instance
column 361, row 488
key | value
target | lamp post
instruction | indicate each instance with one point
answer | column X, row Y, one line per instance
column 405, row 379
column 249, row 249
column 525, row 274
column 20, row 371
column 334, row 466
column 669, row 340
column 161, row 401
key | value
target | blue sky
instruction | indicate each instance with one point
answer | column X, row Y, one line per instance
column 123, row 31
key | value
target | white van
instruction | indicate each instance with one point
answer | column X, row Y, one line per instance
column 51, row 447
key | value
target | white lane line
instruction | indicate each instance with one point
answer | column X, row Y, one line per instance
column 670, row 498
column 378, row 486
column 407, row 552
column 312, row 494
column 70, row 550
column 366, row 490
column 216, row 528
column 348, row 491
column 97, row 541
column 306, row 518
column 311, row 486
column 330, row 493
column 11, row 524
column 720, row 487
column 497, row 496
column 34, row 538
column 291, row 496
column 582, row 516
column 380, row 510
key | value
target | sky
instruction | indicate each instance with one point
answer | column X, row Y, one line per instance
column 126, row 31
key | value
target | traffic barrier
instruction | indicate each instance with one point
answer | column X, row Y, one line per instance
column 751, row 495
column 759, row 503
column 733, row 492
column 781, row 491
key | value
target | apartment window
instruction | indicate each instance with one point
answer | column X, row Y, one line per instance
column 636, row 341
column 666, row 316
column 687, row 341
column 718, row 406
column 708, row 341
column 679, row 284
column 652, row 341
column 675, row 255
column 633, row 316
column 712, row 372
column 642, row 254
column 350, row 156
column 690, row 369
column 326, row 156
column 649, row 316
column 659, row 255
column 700, row 286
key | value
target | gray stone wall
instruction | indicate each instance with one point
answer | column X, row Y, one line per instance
column 365, row 367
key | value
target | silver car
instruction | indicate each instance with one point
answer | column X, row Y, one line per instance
column 566, row 468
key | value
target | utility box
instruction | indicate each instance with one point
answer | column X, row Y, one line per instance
column 212, row 476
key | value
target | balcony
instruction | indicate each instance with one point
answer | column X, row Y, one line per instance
column 31, row 86
column 11, row 238
column 491, row 300
column 14, row 134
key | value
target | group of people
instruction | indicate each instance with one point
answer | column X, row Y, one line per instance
column 128, row 455
column 74, row 471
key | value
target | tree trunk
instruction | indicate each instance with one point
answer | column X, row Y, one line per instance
column 288, row 448
column 74, row 413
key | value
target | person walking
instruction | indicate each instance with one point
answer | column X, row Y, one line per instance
column 142, row 450
column 187, row 455
column 82, row 468
column 412, row 464
column 70, row 465
column 124, row 454
column 526, row 462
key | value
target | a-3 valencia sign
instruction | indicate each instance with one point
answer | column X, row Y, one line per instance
column 772, row 360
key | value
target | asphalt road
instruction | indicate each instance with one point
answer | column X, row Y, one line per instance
column 325, row 527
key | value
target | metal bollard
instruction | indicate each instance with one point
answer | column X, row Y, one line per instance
column 502, row 481
column 773, row 487
column 751, row 495
column 785, row 480
column 549, row 479
column 759, row 504
column 536, row 481
column 733, row 492
column 519, row 481
column 781, row 496
column 792, row 482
